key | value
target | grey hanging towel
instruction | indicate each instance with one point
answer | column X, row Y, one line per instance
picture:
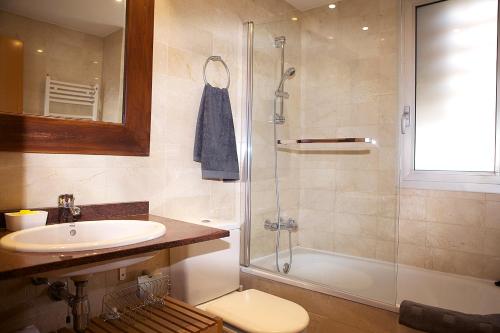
column 215, row 142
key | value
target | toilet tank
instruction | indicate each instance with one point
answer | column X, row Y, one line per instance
column 204, row 271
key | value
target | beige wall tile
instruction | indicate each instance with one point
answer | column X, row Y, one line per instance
column 493, row 214
column 316, row 219
column 388, row 206
column 492, row 242
column 314, row 239
column 356, row 245
column 455, row 211
column 492, row 197
column 412, row 232
column 357, row 181
column 356, row 203
column 317, row 178
column 355, row 225
column 459, row 228
column 412, row 207
column 456, row 194
column 413, row 255
column 491, row 268
column 317, row 199
column 386, row 251
column 457, row 262
column 455, row 237
column 386, row 229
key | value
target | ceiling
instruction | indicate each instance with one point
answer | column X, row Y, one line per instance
column 95, row 17
column 304, row 5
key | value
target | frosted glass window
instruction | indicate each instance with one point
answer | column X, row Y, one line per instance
column 456, row 83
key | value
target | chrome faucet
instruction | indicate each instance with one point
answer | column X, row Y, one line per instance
column 67, row 211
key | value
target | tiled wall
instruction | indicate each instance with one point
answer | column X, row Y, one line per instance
column 349, row 89
column 348, row 201
column 455, row 232
column 346, row 85
column 186, row 33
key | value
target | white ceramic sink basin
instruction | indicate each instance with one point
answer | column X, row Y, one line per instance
column 82, row 236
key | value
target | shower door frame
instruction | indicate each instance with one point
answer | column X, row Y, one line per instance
column 246, row 144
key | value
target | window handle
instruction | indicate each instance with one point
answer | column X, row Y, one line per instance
column 405, row 119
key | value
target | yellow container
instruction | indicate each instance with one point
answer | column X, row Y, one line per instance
column 25, row 219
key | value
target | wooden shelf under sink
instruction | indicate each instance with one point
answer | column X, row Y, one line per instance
column 174, row 316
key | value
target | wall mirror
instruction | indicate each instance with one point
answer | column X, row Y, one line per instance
column 63, row 59
column 64, row 73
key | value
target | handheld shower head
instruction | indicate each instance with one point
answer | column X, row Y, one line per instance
column 281, row 94
column 289, row 73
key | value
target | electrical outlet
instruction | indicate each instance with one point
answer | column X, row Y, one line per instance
column 122, row 274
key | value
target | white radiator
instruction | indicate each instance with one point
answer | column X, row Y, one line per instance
column 71, row 93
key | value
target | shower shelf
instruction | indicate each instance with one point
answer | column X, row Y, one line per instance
column 328, row 144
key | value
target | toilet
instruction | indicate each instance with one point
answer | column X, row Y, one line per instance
column 206, row 275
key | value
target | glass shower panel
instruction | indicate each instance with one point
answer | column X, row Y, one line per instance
column 266, row 76
column 343, row 201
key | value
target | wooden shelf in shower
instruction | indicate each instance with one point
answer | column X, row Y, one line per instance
column 333, row 144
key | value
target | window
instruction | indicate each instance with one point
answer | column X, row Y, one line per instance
column 450, row 77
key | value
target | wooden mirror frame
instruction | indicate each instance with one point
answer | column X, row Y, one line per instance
column 36, row 134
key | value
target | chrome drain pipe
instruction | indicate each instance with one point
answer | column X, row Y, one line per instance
column 79, row 302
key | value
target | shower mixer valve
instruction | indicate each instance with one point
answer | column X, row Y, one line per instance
column 283, row 94
column 289, row 225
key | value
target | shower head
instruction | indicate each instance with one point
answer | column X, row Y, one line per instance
column 290, row 73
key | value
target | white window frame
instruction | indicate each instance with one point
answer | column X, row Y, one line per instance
column 436, row 180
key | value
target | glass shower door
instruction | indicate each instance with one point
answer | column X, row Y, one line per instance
column 343, row 196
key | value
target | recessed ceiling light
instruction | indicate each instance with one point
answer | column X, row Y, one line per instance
column 332, row 6
column 330, row 37
column 119, row 0
column 95, row 62
column 39, row 51
column 364, row 28
column 295, row 18
column 96, row 78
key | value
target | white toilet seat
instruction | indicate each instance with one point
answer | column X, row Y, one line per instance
column 254, row 311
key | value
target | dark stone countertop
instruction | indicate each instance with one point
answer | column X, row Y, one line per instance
column 21, row 264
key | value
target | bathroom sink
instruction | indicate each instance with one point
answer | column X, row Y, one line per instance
column 82, row 236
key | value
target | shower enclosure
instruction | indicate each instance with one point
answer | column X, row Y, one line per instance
column 321, row 180
column 321, row 141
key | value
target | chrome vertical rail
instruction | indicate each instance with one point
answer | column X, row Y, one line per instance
column 279, row 42
column 247, row 146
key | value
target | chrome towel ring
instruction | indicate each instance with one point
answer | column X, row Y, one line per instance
column 216, row 58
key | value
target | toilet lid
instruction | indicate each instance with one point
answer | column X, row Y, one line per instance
column 257, row 312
